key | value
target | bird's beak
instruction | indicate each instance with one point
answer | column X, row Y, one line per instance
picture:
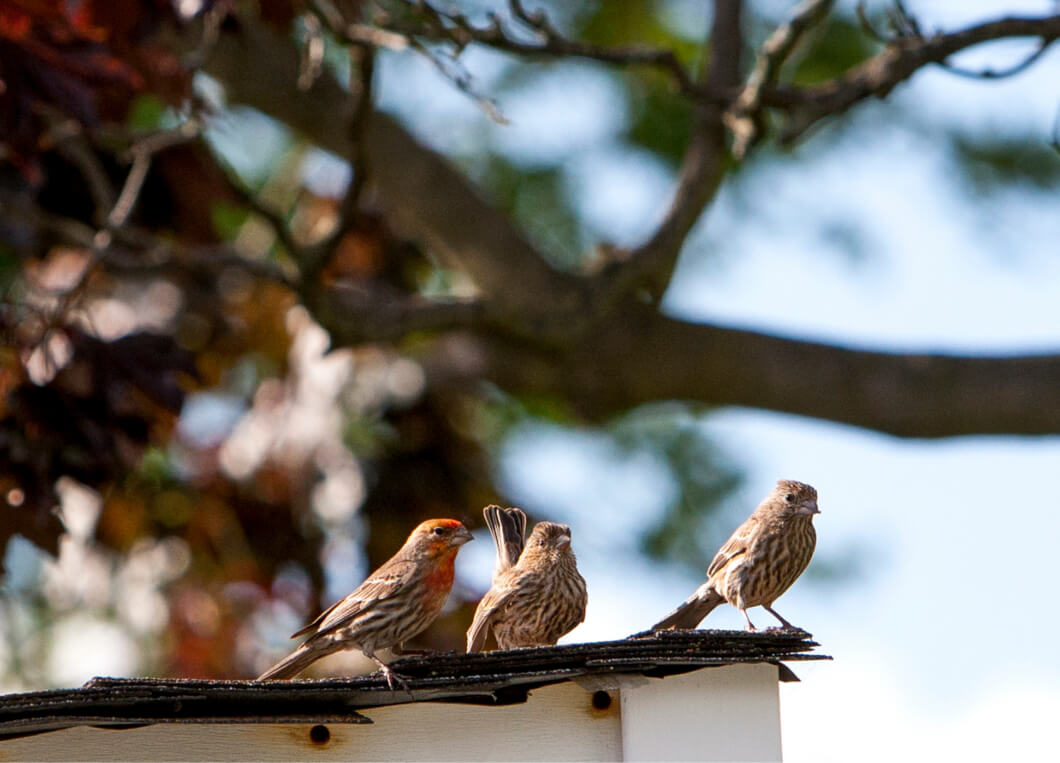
column 462, row 536
column 563, row 541
column 810, row 508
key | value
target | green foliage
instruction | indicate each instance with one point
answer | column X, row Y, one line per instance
column 499, row 414
column 661, row 119
column 366, row 437
column 228, row 219
column 156, row 468
column 10, row 267
column 687, row 532
column 839, row 44
column 627, row 22
column 993, row 163
column 146, row 112
column 537, row 200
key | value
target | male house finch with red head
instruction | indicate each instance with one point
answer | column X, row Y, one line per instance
column 761, row 560
column 396, row 602
column 537, row 594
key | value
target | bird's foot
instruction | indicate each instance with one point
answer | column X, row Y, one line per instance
column 391, row 676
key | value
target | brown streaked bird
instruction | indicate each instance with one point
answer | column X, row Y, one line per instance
column 396, row 602
column 760, row 561
column 537, row 595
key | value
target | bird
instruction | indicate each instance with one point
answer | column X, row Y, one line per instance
column 537, row 594
column 396, row 602
column 759, row 562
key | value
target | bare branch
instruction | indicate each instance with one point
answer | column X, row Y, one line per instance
column 651, row 265
column 357, row 313
column 867, row 25
column 312, row 52
column 71, row 143
column 450, row 67
column 275, row 220
column 363, row 59
column 908, row 395
column 111, row 212
column 744, row 116
column 726, row 46
column 142, row 153
column 424, row 197
column 1010, row 71
column 458, row 30
column 877, row 76
column 136, row 250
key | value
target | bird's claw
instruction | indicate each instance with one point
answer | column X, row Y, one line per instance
column 392, row 676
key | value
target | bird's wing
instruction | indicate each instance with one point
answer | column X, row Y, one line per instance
column 382, row 584
column 495, row 598
column 737, row 544
column 507, row 526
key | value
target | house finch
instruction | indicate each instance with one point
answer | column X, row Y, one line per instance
column 396, row 602
column 760, row 561
column 537, row 593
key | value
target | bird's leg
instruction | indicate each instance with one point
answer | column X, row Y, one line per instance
column 389, row 674
column 750, row 625
column 787, row 626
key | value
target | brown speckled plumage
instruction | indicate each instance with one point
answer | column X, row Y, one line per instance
column 760, row 561
column 395, row 603
column 540, row 598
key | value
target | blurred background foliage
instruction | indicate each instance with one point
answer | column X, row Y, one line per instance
column 223, row 471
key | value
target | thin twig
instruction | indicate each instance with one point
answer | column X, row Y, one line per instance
column 363, row 58
column 991, row 74
column 744, row 117
column 274, row 219
column 136, row 250
column 143, row 152
column 450, row 67
column 457, row 30
column 312, row 52
column 647, row 270
column 877, row 76
column 70, row 142
column 868, row 26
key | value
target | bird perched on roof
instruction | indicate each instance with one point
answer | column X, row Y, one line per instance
column 396, row 602
column 537, row 594
column 760, row 561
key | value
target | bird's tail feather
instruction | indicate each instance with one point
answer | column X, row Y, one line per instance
column 294, row 663
column 693, row 610
column 507, row 526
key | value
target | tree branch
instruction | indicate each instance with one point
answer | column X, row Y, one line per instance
column 744, row 116
column 651, row 265
column 457, row 30
column 643, row 356
column 354, row 314
column 425, row 197
column 877, row 76
column 152, row 254
column 908, row 395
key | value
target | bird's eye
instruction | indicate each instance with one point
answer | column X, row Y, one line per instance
column 438, row 531
column 541, row 543
column 789, row 497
